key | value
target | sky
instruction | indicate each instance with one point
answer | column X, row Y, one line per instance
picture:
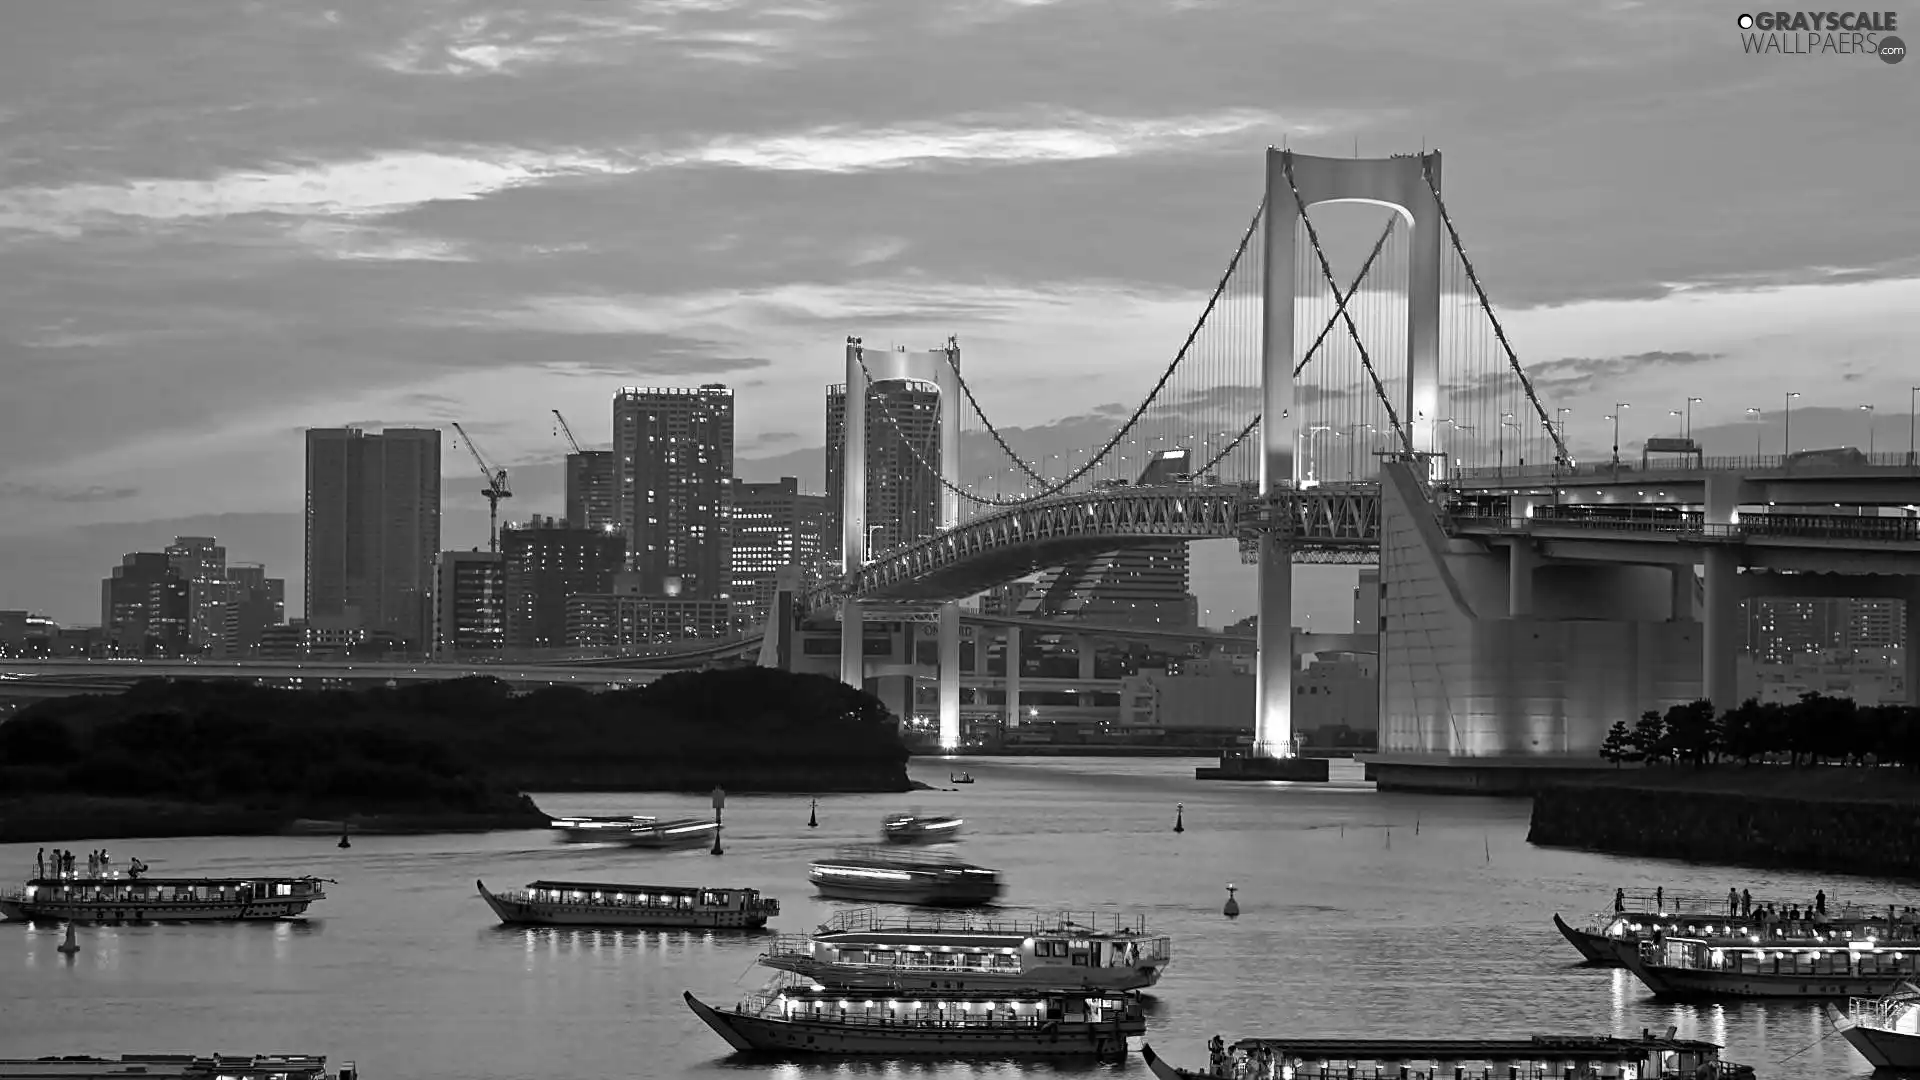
column 222, row 222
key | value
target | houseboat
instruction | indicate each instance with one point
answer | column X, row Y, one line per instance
column 676, row 833
column 914, row 829
column 1872, row 1026
column 924, row 950
column 597, row 830
column 1589, row 1057
column 1691, row 968
column 580, row 903
column 175, row 1067
column 900, row 877
column 118, row 898
column 797, row 1019
column 1605, row 939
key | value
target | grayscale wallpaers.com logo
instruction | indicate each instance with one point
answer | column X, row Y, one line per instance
column 1810, row 33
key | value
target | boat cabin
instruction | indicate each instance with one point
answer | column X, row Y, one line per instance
column 1844, row 959
column 935, row 1008
column 922, row 942
column 119, row 890
column 1542, row 1057
column 651, row 897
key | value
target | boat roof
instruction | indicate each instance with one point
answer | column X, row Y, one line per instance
column 871, row 994
column 1591, row 1047
column 872, row 924
column 915, row 937
column 894, row 858
column 143, row 879
column 599, row 886
column 160, row 1065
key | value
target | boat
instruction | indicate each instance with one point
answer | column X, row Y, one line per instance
column 677, row 833
column 175, row 1067
column 1605, row 941
column 1649, row 1057
column 963, row 778
column 115, row 898
column 1871, row 1026
column 926, row 950
column 597, row 830
column 797, row 1019
column 581, row 903
column 914, row 829
column 901, row 877
column 1690, row 968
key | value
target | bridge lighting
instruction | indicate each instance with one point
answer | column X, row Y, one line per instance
column 1868, row 409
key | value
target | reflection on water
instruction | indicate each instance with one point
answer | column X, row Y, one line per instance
column 1361, row 914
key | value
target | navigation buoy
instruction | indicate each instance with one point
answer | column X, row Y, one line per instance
column 344, row 842
column 69, row 946
column 1232, row 910
column 813, row 814
column 1179, row 817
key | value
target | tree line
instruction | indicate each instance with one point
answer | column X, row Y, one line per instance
column 1816, row 729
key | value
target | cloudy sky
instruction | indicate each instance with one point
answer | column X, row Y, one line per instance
column 224, row 221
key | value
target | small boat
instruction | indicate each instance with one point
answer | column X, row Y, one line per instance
column 1871, row 1026
column 914, row 829
column 1693, row 969
column 799, row 1019
column 597, row 830
column 925, row 950
column 677, row 833
column 900, row 877
column 963, row 778
column 579, row 903
column 1649, row 1057
column 117, row 898
column 175, row 1067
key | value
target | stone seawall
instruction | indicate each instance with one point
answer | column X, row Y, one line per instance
column 1830, row 832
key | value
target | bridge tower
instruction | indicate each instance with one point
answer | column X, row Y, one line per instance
column 936, row 367
column 1296, row 182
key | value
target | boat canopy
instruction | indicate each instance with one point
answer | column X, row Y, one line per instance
column 667, row 890
column 1548, row 1047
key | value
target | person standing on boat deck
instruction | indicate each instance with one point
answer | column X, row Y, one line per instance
column 1820, row 902
column 1733, row 902
column 1619, row 901
column 1746, row 903
column 1660, row 899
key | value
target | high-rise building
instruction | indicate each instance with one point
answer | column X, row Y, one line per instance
column 903, row 454
column 144, row 607
column 774, row 526
column 469, row 603
column 1139, row 586
column 673, row 472
column 1783, row 628
column 201, row 562
column 255, row 602
column 545, row 563
column 373, row 529
column 590, row 489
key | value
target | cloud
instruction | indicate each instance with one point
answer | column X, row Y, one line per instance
column 1579, row 374
column 48, row 493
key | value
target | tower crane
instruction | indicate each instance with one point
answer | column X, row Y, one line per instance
column 571, row 441
column 496, row 489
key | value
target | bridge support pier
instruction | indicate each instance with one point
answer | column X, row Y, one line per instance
column 1912, row 620
column 1013, row 677
column 950, row 675
column 853, row 644
column 1273, row 637
column 1521, row 559
column 1722, row 635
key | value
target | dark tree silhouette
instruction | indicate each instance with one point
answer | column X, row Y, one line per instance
column 1618, row 746
column 1817, row 729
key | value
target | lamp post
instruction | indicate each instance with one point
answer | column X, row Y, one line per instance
column 1691, row 402
column 1913, row 397
column 1755, row 413
column 1868, row 409
column 1786, row 436
column 1500, row 466
column 871, row 529
column 1675, row 413
column 1618, row 408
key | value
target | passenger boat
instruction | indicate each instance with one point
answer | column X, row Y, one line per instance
column 175, row 1067
column 580, row 903
column 1690, row 968
column 798, row 1019
column 1605, row 941
column 1871, row 1026
column 963, row 778
column 914, row 829
column 866, row 949
column 115, row 898
column 596, row 830
column 1590, row 1057
column 677, row 833
column 899, row 877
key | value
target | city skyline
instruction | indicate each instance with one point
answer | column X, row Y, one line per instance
column 1063, row 214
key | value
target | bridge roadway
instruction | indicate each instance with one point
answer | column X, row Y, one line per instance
column 62, row 677
column 1887, row 480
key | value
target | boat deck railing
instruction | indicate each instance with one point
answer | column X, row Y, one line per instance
column 1669, row 904
column 903, row 855
column 875, row 920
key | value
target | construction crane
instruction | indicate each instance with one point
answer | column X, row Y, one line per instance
column 571, row 441
column 495, row 490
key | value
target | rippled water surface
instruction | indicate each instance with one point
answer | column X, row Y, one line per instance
column 1361, row 914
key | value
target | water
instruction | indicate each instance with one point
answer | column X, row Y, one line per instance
column 1361, row 913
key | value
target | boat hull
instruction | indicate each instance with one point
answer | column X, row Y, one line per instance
column 1111, row 980
column 521, row 913
column 1158, row 1066
column 1895, row 1050
column 1596, row 949
column 92, row 912
column 671, row 836
column 1687, row 984
column 927, row 894
column 750, row 1034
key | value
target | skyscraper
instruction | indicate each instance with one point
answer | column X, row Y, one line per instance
column 903, row 452
column 143, row 606
column 469, row 603
column 774, row 526
column 373, row 529
column 673, row 473
column 255, row 602
column 590, row 489
column 547, row 562
column 201, row 562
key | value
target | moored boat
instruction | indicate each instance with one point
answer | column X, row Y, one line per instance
column 1606, row 938
column 1872, row 1027
column 901, row 877
column 798, row 1019
column 920, row 950
column 1649, row 1057
column 578, row 903
column 676, row 833
column 175, row 1067
column 1690, row 968
column 597, row 830
column 915, row 829
column 116, row 898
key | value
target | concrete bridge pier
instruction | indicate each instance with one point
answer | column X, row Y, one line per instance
column 950, row 675
column 853, row 644
column 1013, row 677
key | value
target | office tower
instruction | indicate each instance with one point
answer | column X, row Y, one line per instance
column 590, row 488
column 201, row 562
column 255, row 602
column 469, row 603
column 373, row 529
column 144, row 606
column 774, row 526
column 673, row 471
column 903, row 454
column 545, row 563
column 1140, row 586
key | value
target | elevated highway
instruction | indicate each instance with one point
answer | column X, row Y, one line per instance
column 1880, row 480
column 62, row 678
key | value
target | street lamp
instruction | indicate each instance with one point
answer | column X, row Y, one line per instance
column 1913, row 396
column 1755, row 413
column 1675, row 413
column 1618, row 408
column 1786, row 437
column 871, row 529
column 1868, row 409
column 1691, row 402
column 1506, row 421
